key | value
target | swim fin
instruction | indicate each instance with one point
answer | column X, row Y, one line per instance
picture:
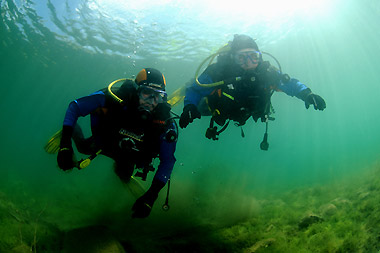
column 135, row 187
column 177, row 96
column 52, row 146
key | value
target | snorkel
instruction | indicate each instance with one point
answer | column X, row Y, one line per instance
column 225, row 49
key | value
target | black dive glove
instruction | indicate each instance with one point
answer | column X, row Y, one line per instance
column 312, row 99
column 318, row 102
column 144, row 204
column 65, row 156
column 190, row 112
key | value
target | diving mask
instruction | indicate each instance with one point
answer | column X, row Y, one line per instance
column 243, row 57
column 150, row 95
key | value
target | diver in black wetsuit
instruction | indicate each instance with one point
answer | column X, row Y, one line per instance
column 239, row 86
column 131, row 125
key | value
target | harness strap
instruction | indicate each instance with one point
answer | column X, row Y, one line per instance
column 223, row 128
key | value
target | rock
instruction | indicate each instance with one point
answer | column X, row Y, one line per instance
column 340, row 202
column 328, row 210
column 309, row 220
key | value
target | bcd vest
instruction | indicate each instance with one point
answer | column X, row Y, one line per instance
column 238, row 100
column 124, row 128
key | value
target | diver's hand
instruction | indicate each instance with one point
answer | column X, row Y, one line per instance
column 65, row 156
column 65, row 159
column 190, row 112
column 317, row 101
column 144, row 204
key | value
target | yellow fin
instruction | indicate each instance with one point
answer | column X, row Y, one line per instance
column 177, row 96
column 52, row 146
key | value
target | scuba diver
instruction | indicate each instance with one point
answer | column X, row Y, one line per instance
column 239, row 86
column 131, row 124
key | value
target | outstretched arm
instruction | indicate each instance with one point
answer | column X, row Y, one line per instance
column 144, row 204
column 293, row 87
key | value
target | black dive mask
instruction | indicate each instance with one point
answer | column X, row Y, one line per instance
column 151, row 95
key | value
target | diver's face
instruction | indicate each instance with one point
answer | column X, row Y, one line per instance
column 247, row 58
column 149, row 99
column 148, row 105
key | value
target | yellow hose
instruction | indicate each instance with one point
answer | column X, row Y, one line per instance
column 223, row 49
column 110, row 91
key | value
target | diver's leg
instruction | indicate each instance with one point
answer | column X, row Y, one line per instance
column 124, row 169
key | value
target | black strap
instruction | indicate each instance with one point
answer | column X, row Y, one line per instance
column 223, row 128
column 166, row 206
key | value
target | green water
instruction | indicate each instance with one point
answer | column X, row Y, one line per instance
column 52, row 53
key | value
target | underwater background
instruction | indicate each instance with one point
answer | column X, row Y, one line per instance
column 316, row 189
